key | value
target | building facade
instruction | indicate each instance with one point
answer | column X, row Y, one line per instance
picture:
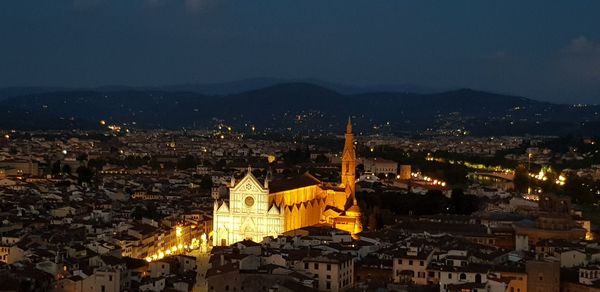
column 334, row 272
column 410, row 265
column 249, row 214
column 257, row 210
column 381, row 166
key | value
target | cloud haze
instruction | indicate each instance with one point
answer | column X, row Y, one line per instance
column 506, row 46
column 583, row 58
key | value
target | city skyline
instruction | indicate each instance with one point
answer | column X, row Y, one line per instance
column 315, row 146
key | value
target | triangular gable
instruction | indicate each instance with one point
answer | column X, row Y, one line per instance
column 248, row 223
column 331, row 212
column 223, row 208
column 274, row 210
column 249, row 183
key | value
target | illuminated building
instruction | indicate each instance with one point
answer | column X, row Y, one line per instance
column 257, row 210
column 405, row 172
column 380, row 166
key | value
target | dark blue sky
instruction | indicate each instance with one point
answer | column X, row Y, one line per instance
column 549, row 50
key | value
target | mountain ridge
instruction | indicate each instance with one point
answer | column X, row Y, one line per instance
column 307, row 107
column 224, row 88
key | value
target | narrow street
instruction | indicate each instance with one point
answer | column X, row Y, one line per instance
column 202, row 264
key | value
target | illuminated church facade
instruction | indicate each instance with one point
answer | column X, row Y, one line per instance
column 257, row 210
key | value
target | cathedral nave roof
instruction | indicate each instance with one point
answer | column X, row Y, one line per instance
column 304, row 180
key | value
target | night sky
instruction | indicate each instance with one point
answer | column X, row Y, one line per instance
column 548, row 50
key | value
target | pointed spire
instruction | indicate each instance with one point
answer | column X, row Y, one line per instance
column 349, row 126
column 268, row 177
column 249, row 169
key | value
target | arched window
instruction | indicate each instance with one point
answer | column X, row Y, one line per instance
column 478, row 278
column 463, row 277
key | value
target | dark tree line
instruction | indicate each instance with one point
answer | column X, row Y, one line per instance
column 147, row 210
column 381, row 208
column 296, row 156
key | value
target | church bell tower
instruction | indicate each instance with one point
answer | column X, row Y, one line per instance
column 349, row 162
column 349, row 181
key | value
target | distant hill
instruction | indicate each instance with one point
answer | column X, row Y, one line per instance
column 305, row 108
column 16, row 118
column 226, row 88
column 8, row 92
